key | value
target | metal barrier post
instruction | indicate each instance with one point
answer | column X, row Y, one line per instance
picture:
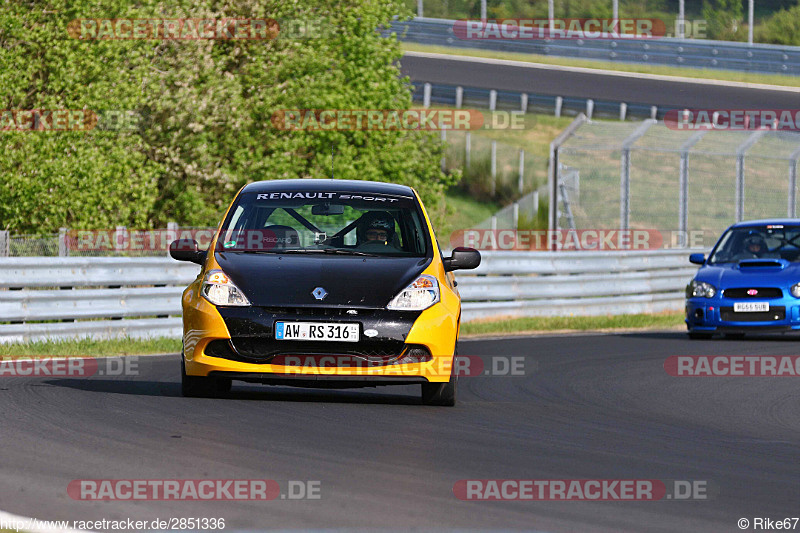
column 494, row 167
column 4, row 244
column 459, row 96
column 521, row 185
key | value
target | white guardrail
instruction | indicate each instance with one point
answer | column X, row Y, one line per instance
column 105, row 297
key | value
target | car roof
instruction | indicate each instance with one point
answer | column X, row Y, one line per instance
column 767, row 221
column 313, row 185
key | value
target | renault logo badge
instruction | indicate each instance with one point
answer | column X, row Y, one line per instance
column 319, row 293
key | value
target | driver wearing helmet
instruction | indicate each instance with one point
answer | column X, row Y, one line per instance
column 376, row 228
column 755, row 246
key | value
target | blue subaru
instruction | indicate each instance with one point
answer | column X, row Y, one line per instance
column 749, row 283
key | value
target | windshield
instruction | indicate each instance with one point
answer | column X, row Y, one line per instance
column 325, row 223
column 774, row 241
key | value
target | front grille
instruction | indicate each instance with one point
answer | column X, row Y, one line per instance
column 762, row 293
column 267, row 348
column 774, row 314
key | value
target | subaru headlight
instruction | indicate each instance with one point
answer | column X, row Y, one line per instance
column 421, row 294
column 701, row 289
column 795, row 290
column 220, row 290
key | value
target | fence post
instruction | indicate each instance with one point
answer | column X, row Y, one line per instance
column 521, row 170
column 625, row 174
column 792, row 208
column 120, row 237
column 535, row 204
column 443, row 136
column 589, row 108
column 740, row 154
column 492, row 100
column 515, row 215
column 683, row 195
column 4, row 244
column 559, row 103
column 419, row 8
column 623, row 111
column 459, row 96
column 426, row 95
column 494, row 167
column 523, row 102
column 653, row 112
column 552, row 170
column 172, row 234
column 63, row 251
column 468, row 148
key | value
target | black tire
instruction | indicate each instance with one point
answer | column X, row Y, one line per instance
column 441, row 394
column 694, row 335
column 201, row 386
column 735, row 336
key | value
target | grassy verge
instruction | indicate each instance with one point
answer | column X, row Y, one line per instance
column 463, row 212
column 88, row 347
column 572, row 323
column 663, row 70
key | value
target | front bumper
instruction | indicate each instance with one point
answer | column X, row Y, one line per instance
column 240, row 343
column 717, row 314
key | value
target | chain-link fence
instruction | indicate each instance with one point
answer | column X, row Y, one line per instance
column 647, row 176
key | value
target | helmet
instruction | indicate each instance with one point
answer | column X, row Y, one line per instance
column 754, row 240
column 380, row 220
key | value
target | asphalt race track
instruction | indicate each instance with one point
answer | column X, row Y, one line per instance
column 588, row 407
column 599, row 85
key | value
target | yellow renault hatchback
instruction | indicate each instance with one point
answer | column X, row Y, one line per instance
column 323, row 283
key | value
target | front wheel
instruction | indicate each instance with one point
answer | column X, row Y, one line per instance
column 442, row 394
column 202, row 386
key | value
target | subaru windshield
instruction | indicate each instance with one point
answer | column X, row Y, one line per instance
column 771, row 241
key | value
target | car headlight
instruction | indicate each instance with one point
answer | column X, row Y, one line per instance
column 420, row 295
column 220, row 290
column 795, row 290
column 701, row 289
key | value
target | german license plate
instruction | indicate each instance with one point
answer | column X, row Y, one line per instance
column 316, row 331
column 750, row 307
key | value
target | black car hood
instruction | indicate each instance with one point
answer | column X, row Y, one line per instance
column 287, row 280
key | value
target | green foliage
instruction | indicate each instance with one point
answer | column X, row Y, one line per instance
column 208, row 105
column 781, row 28
column 724, row 20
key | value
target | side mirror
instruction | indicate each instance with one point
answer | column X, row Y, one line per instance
column 697, row 259
column 186, row 250
column 462, row 259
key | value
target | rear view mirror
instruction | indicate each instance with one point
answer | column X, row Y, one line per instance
column 462, row 259
column 327, row 209
column 186, row 250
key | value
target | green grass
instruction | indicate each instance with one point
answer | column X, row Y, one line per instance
column 464, row 212
column 663, row 70
column 574, row 323
column 88, row 347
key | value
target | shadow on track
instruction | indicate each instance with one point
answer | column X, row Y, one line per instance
column 243, row 392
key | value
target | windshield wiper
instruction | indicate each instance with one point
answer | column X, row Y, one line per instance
column 306, row 251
